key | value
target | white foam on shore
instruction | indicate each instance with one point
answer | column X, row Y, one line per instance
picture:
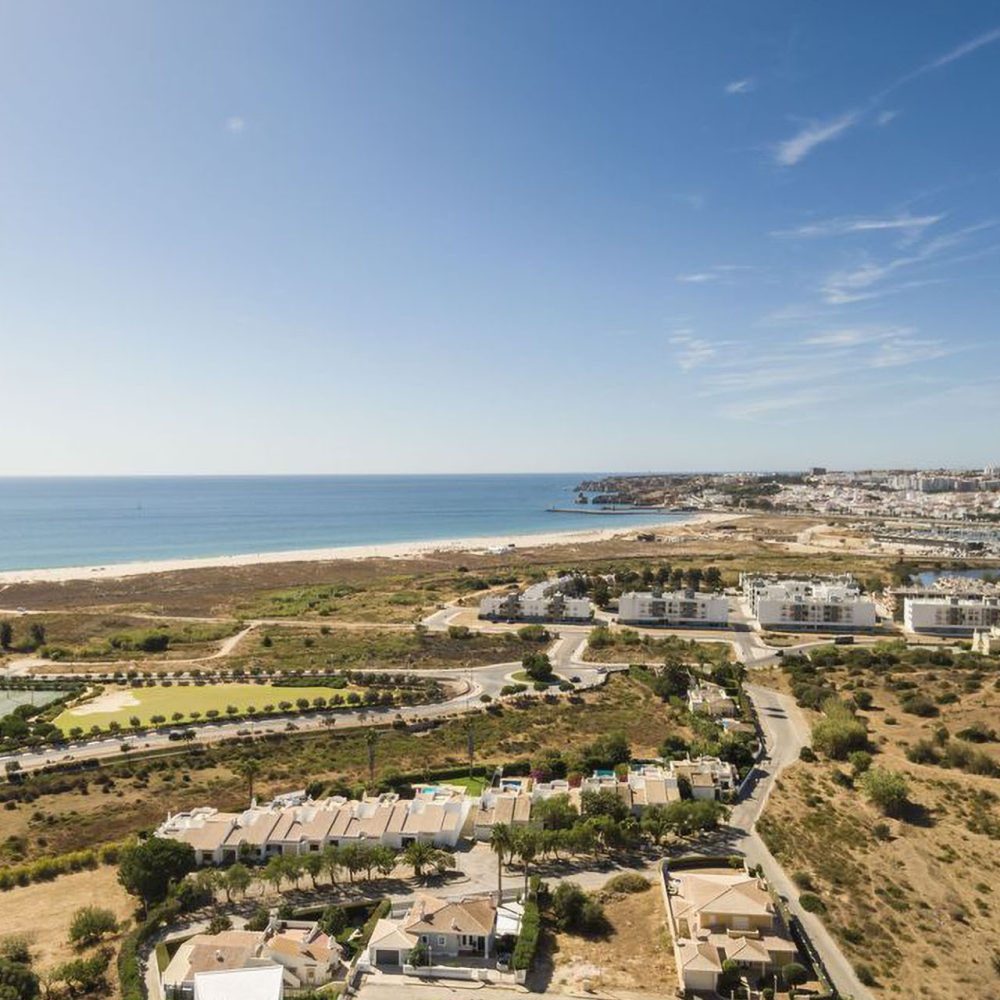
column 388, row 550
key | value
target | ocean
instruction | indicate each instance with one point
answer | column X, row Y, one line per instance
column 75, row 521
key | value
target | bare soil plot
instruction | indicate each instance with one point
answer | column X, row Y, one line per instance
column 42, row 912
column 635, row 956
column 914, row 900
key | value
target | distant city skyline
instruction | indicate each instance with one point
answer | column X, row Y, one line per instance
column 376, row 237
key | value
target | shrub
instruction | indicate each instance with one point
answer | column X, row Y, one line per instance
column 863, row 699
column 219, row 923
column 918, row 704
column 17, row 981
column 794, row 974
column 865, row 974
column 259, row 919
column 90, row 924
column 626, row 884
column 811, row 903
column 860, row 761
column 887, row 790
column 803, row 880
column 839, row 731
column 808, row 755
column 574, row 910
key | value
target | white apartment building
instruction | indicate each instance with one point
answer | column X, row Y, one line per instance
column 541, row 602
column 950, row 615
column 820, row 605
column 679, row 608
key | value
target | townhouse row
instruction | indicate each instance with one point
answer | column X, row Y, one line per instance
column 441, row 815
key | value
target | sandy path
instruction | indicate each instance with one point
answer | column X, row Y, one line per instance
column 109, row 701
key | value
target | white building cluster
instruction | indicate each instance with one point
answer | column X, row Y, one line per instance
column 541, row 602
column 950, row 615
column 295, row 824
column 678, row 608
column 438, row 814
column 808, row 605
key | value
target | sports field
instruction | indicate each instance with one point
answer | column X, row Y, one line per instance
column 9, row 700
column 122, row 703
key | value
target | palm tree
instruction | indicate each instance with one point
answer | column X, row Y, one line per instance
column 371, row 740
column 501, row 843
column 248, row 769
column 419, row 856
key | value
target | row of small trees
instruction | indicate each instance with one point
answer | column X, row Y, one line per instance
column 603, row 824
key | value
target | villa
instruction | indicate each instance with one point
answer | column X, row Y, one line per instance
column 657, row 784
column 710, row 699
column 463, row 930
column 512, row 808
column 302, row 955
column 262, row 983
column 718, row 916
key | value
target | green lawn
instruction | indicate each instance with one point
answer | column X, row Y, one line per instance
column 472, row 786
column 119, row 704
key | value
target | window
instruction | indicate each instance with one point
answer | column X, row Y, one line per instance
column 441, row 940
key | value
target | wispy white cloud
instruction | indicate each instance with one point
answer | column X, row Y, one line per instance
column 799, row 371
column 714, row 273
column 895, row 352
column 911, row 225
column 235, row 124
column 857, row 284
column 692, row 351
column 749, row 409
column 959, row 52
column 791, row 151
column 855, row 336
column 740, row 86
column 795, row 149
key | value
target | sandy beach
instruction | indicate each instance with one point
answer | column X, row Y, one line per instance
column 389, row 550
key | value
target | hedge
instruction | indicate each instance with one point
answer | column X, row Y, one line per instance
column 527, row 940
column 382, row 910
column 47, row 868
column 129, row 969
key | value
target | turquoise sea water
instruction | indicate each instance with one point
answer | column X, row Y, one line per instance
column 95, row 521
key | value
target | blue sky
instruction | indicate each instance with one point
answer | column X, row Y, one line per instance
column 471, row 236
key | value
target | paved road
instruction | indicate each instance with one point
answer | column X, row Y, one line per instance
column 784, row 727
column 786, row 732
column 473, row 683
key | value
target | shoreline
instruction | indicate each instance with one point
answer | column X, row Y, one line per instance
column 379, row 550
